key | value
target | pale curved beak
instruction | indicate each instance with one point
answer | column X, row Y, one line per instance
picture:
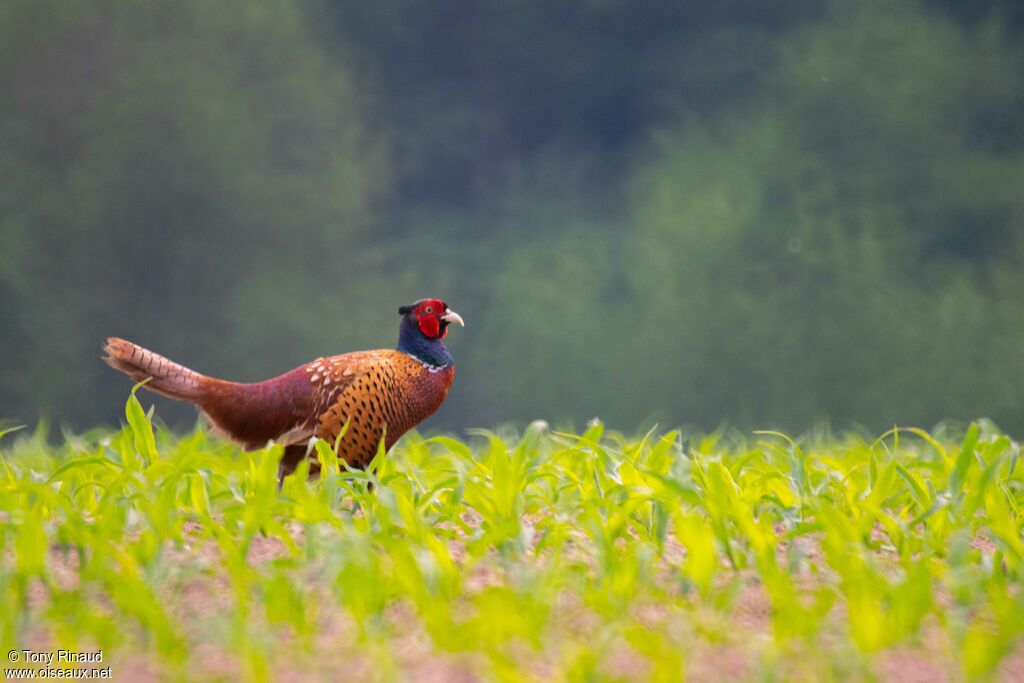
column 453, row 317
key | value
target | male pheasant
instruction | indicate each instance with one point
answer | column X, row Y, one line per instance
column 379, row 394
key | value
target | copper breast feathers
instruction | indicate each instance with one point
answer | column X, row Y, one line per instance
column 379, row 394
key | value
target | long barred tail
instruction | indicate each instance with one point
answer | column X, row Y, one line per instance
column 168, row 378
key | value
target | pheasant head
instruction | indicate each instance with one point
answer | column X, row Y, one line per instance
column 424, row 325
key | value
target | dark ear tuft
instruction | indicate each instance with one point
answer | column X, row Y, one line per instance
column 403, row 310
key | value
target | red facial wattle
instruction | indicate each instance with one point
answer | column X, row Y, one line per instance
column 430, row 326
column 432, row 317
column 428, row 318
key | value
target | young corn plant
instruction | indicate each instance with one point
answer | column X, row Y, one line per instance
column 534, row 555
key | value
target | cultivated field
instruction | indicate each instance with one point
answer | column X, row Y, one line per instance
column 535, row 556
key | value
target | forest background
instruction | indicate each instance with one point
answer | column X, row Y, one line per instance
column 762, row 213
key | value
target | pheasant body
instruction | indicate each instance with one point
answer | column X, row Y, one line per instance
column 379, row 395
column 389, row 393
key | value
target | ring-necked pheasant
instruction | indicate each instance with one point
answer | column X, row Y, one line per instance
column 380, row 394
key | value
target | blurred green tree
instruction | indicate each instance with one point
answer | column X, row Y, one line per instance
column 192, row 175
column 689, row 211
column 850, row 245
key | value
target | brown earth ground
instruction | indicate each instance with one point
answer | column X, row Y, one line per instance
column 728, row 646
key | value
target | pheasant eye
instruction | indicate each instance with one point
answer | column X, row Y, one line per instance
column 429, row 310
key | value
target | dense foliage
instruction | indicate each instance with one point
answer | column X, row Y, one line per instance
column 762, row 212
column 534, row 556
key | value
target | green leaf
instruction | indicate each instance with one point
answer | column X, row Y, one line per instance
column 141, row 426
column 918, row 489
column 963, row 461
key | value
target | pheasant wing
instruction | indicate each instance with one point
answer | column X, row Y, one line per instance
column 285, row 409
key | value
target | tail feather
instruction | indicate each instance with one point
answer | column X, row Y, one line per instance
column 166, row 377
column 250, row 414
